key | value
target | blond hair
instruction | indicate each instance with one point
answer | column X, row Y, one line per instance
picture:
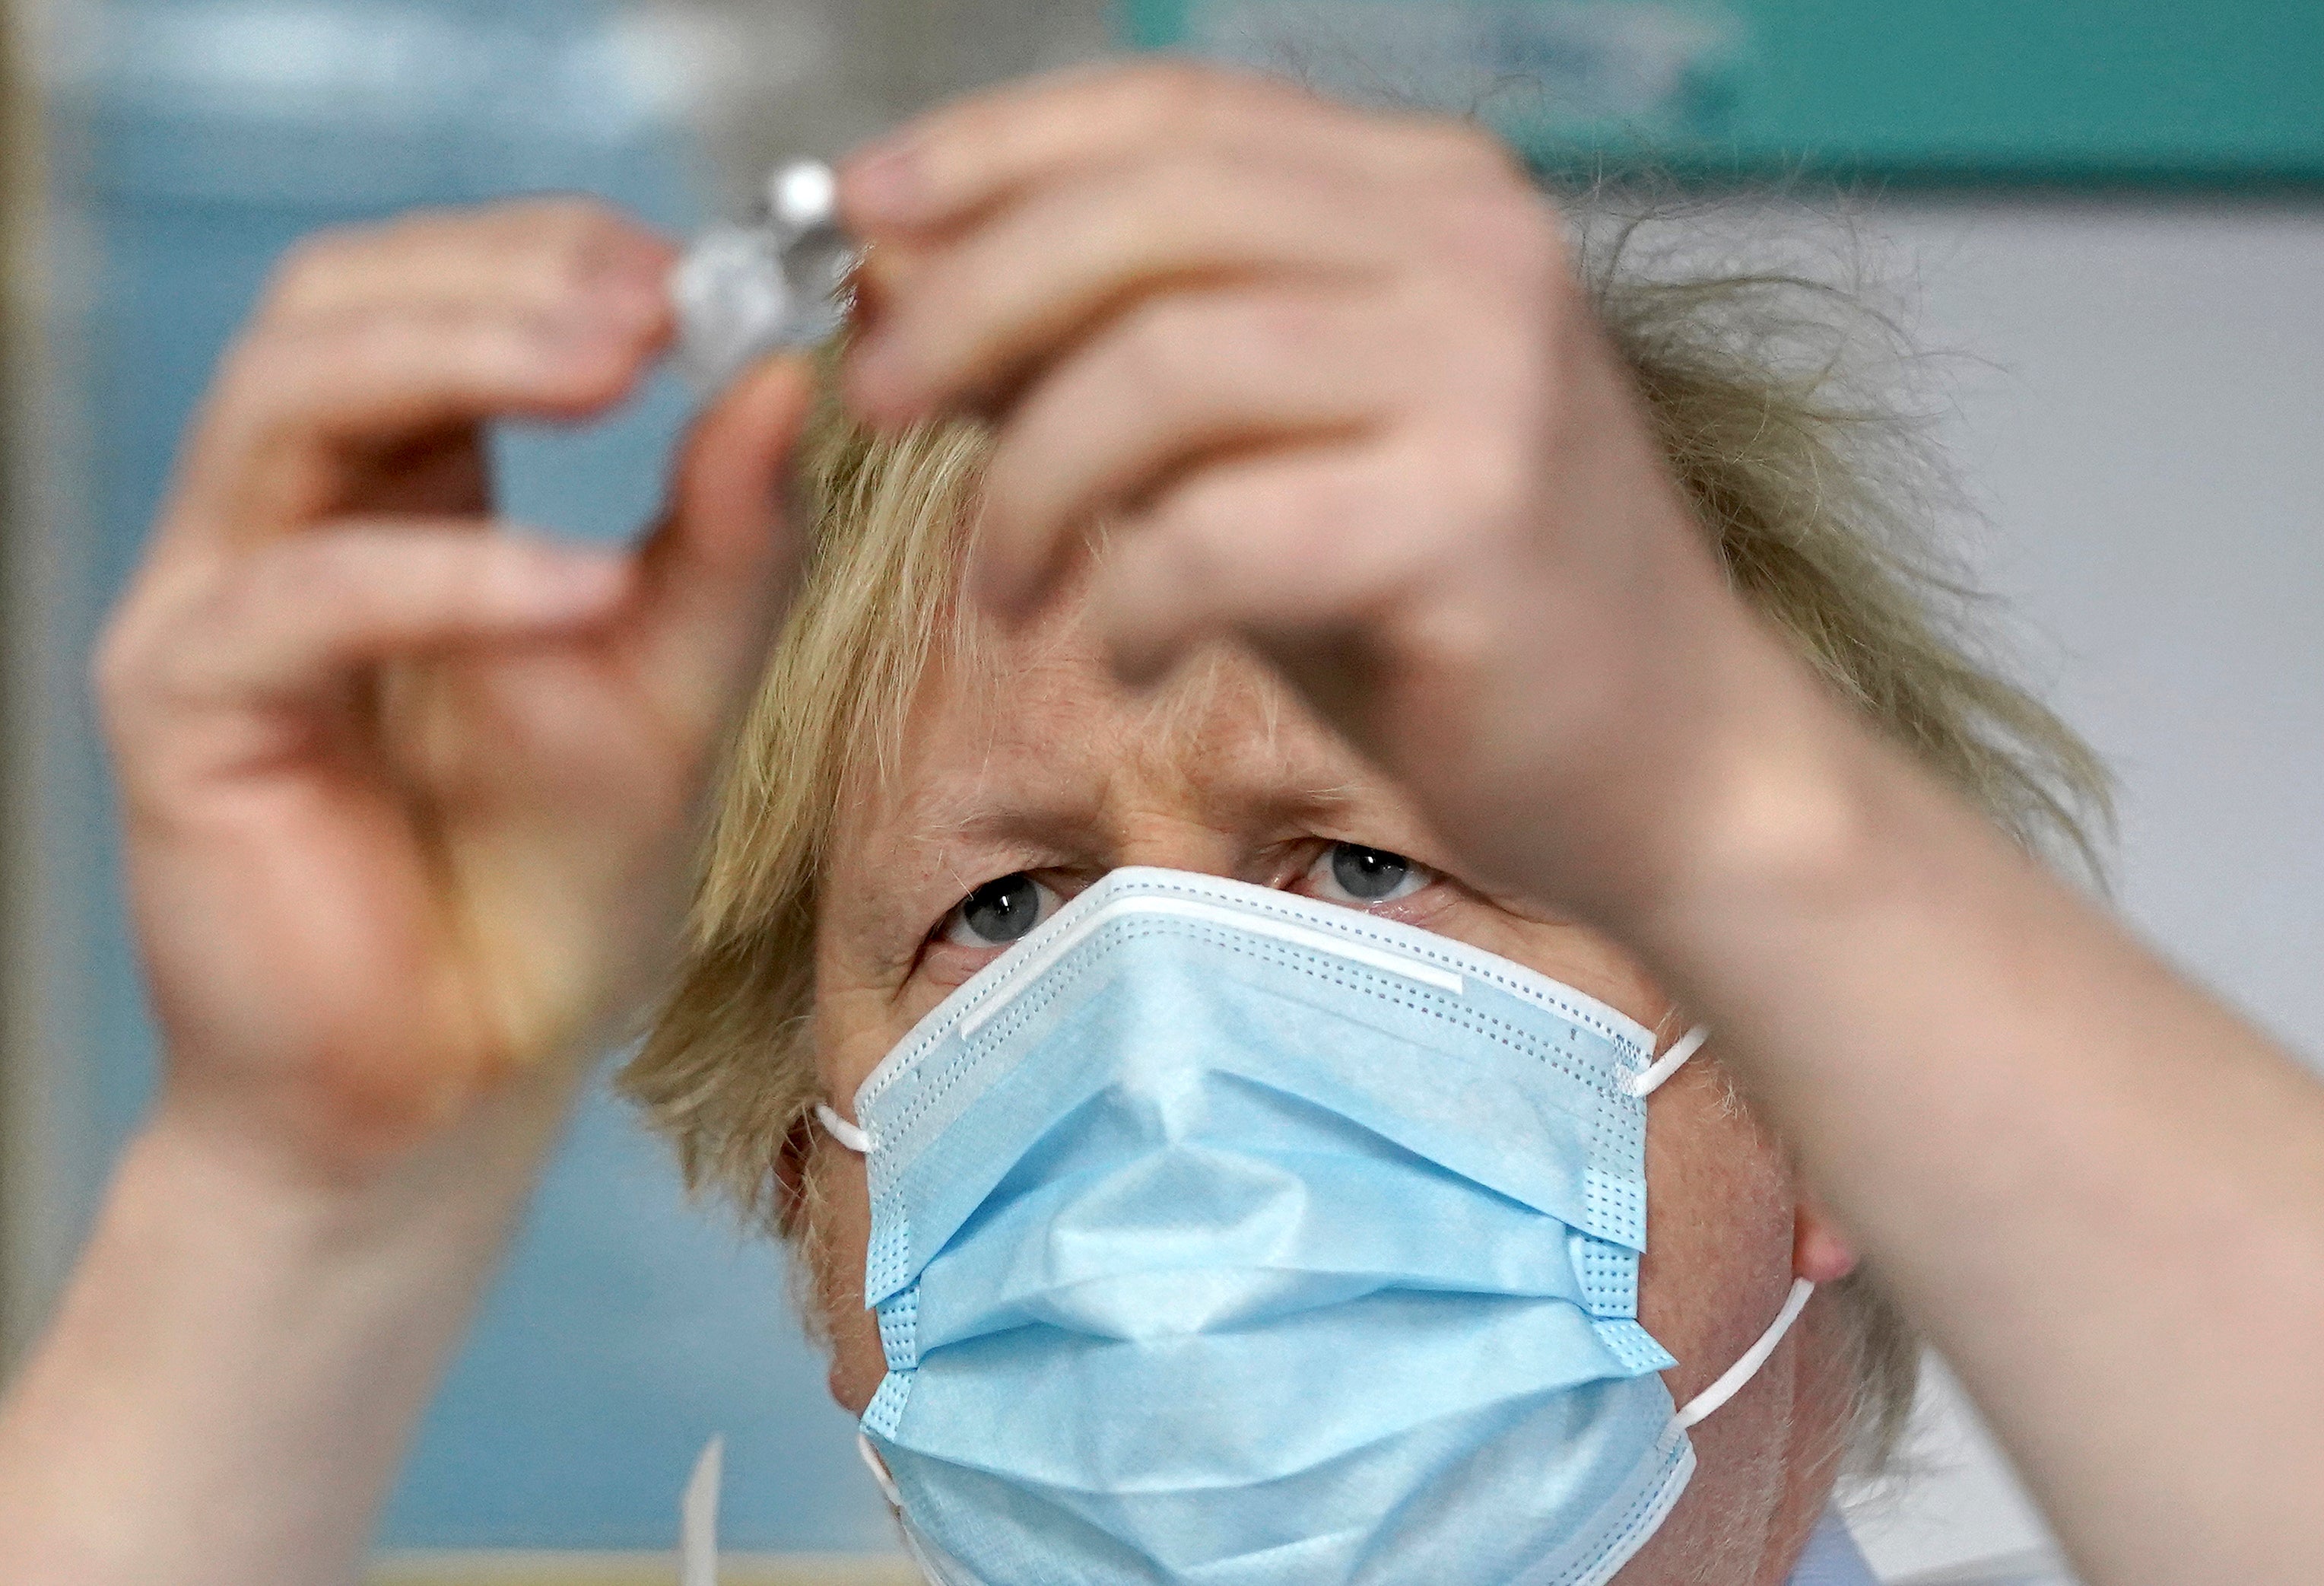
column 1816, row 496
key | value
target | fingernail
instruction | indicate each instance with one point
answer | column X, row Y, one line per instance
column 884, row 182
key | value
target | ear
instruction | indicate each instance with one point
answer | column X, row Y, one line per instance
column 1820, row 1252
column 789, row 1173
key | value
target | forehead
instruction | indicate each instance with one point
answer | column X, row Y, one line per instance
column 1027, row 733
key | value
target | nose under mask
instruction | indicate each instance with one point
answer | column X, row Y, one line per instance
column 1223, row 1236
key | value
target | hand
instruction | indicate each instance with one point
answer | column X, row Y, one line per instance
column 1331, row 380
column 1330, row 384
column 407, row 798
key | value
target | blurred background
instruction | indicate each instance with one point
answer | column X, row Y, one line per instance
column 2111, row 212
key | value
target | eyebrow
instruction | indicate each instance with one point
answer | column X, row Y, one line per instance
column 962, row 831
column 955, row 821
column 962, row 823
column 963, row 827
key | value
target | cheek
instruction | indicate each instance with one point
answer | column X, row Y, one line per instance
column 1719, row 1228
column 834, row 1247
column 855, row 1028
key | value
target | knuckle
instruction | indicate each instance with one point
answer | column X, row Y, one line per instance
column 577, row 224
column 283, row 377
column 1178, row 95
column 1172, row 82
column 579, row 234
column 1509, row 231
column 308, row 264
column 462, row 357
column 428, row 223
column 136, row 650
column 1468, row 151
column 1212, row 514
column 1323, row 517
column 263, row 360
column 1487, row 472
column 118, row 659
column 572, row 215
column 1155, row 344
column 1281, row 329
column 1183, row 184
column 298, row 573
column 261, row 379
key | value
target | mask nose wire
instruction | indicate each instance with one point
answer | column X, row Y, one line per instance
column 1645, row 1083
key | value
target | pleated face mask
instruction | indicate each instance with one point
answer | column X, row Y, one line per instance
column 1223, row 1236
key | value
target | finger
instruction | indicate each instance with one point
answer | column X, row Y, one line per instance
column 1280, row 548
column 719, row 570
column 290, row 621
column 960, row 160
column 299, row 414
column 1011, row 294
column 1183, row 378
column 543, row 256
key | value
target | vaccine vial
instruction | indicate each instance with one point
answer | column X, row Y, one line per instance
column 780, row 283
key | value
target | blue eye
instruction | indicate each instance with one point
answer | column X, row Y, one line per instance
column 1349, row 872
column 1000, row 912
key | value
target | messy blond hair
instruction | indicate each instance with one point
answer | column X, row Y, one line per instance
column 1820, row 503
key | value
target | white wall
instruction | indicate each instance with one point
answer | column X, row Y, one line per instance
column 2143, row 417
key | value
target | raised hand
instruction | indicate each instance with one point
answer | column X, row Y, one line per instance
column 1332, row 383
column 406, row 793
column 1329, row 381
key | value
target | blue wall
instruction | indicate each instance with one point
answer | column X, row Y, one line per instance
column 628, row 1327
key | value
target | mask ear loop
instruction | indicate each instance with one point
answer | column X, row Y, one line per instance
column 1730, row 1382
column 1743, row 1370
column 878, row 1469
column 936, row 1566
column 840, row 1129
column 1649, row 1081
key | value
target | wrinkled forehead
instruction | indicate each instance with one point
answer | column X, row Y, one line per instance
column 1028, row 727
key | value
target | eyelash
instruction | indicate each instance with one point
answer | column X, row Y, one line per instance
column 1322, row 869
column 954, row 929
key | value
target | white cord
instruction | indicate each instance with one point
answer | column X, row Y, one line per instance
column 1744, row 1369
column 878, row 1469
column 1663, row 1066
column 840, row 1129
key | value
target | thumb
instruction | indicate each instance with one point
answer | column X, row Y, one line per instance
column 716, row 575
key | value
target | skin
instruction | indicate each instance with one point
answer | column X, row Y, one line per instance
column 1330, row 378
column 1032, row 757
column 406, row 804
column 407, row 807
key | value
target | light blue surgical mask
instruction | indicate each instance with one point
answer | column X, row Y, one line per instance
column 1223, row 1236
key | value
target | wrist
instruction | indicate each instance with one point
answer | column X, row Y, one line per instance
column 232, row 1156
column 1713, row 767
column 1785, row 808
column 1781, row 802
column 245, row 1336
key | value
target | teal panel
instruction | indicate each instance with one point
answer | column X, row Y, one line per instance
column 2078, row 91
